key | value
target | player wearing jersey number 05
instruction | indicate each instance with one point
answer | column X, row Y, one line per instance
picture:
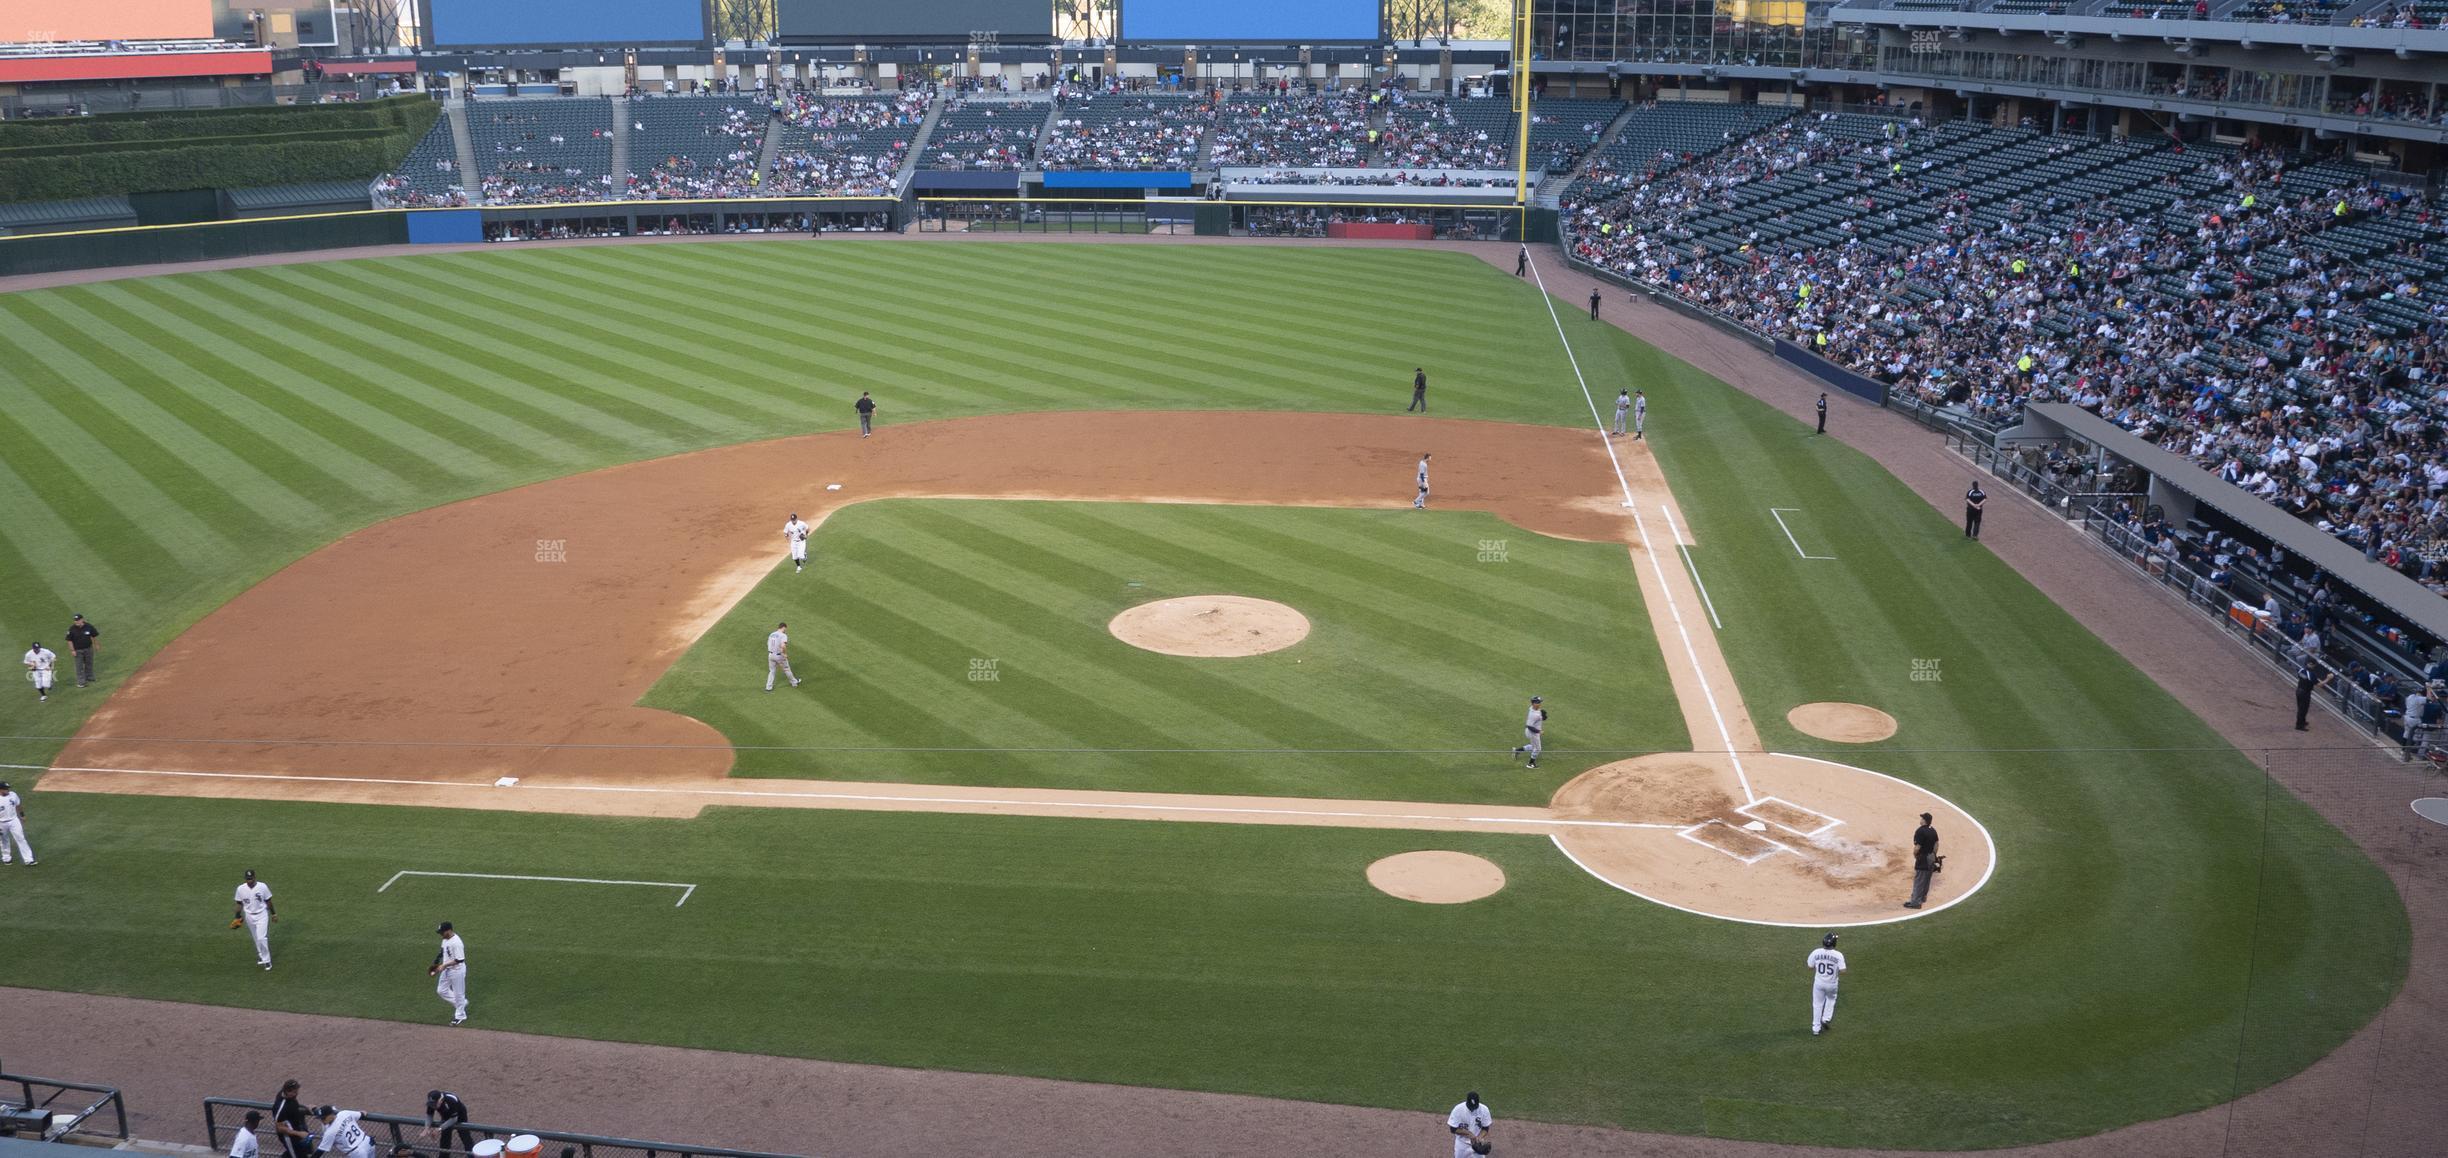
column 1826, row 965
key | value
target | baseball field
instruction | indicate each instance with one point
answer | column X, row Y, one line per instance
column 438, row 588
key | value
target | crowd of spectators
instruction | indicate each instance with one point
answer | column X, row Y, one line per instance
column 739, row 137
column 990, row 134
column 1427, row 133
column 2214, row 326
column 1280, row 129
column 1118, row 131
column 852, row 148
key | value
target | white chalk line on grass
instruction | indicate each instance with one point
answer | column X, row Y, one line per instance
column 685, row 889
column 1677, row 532
column 886, row 798
column 1641, row 526
column 1778, row 513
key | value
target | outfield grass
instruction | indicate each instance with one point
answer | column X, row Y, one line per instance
column 1424, row 646
column 165, row 442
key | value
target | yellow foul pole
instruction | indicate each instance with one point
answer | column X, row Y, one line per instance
column 1521, row 114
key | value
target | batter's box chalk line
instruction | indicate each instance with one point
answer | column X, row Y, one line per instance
column 685, row 889
column 1778, row 812
column 1741, row 836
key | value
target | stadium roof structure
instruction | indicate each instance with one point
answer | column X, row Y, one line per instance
column 52, row 216
column 311, row 193
column 2415, row 605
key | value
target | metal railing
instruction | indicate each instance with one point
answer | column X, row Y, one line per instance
column 2251, row 606
column 35, row 1093
column 224, row 1117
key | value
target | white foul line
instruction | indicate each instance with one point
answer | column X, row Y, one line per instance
column 685, row 889
column 874, row 798
column 1778, row 513
column 1699, row 671
column 1694, row 568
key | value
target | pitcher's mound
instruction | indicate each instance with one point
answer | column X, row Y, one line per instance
column 1210, row 626
column 1843, row 723
column 1436, row 878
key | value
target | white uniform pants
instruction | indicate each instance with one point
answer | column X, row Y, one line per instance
column 775, row 662
column 12, row 831
column 1619, row 420
column 799, row 551
column 260, row 925
column 1533, row 741
column 451, row 986
column 42, row 678
column 1823, row 1005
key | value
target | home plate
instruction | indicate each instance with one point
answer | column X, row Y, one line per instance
column 1755, row 826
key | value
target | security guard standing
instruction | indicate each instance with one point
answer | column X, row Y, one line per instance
column 2310, row 675
column 1823, row 412
column 1974, row 500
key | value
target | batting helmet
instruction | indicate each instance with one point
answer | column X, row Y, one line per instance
column 1828, row 942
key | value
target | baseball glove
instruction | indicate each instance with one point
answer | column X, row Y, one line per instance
column 1481, row 1146
column 235, row 922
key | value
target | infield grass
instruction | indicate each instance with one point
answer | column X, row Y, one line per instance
column 965, row 642
column 2165, row 931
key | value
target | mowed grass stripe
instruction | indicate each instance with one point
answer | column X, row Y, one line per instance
column 631, row 381
column 589, row 385
column 769, row 388
column 62, row 526
column 437, row 404
column 843, row 351
column 1288, row 346
column 1096, row 669
column 326, row 404
column 177, row 371
column 481, row 371
column 1030, row 343
column 809, row 347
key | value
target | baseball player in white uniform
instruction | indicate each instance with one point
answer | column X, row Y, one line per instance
column 1421, row 502
column 38, row 661
column 1640, row 414
column 449, row 971
column 342, row 1136
column 796, row 533
column 243, row 1143
column 1468, row 1123
column 12, row 827
column 1826, row 965
column 1534, row 731
column 1623, row 407
column 777, row 655
column 254, row 909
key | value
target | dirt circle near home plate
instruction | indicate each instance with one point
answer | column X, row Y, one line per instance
column 1842, row 723
column 1765, row 838
column 1211, row 626
column 1436, row 877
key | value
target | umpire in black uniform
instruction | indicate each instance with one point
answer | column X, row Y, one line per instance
column 1925, row 861
column 1419, row 391
column 1974, row 500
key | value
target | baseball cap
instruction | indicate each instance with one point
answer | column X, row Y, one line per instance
column 326, row 1111
column 1538, row 699
column 444, row 927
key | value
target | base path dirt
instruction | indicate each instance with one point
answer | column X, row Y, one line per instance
column 1842, row 723
column 1211, row 626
